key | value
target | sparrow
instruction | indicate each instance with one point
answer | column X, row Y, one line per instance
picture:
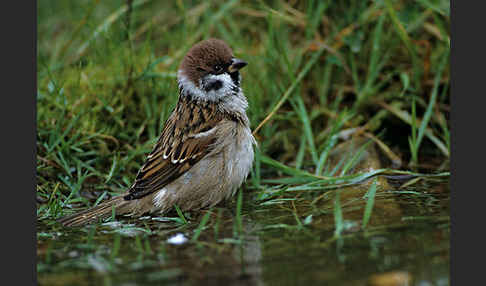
column 205, row 150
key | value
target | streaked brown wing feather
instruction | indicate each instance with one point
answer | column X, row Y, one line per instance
column 177, row 150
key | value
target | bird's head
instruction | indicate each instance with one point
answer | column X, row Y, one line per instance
column 209, row 71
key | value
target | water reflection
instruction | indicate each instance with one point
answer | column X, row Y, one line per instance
column 287, row 243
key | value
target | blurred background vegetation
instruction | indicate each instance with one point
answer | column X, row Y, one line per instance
column 319, row 72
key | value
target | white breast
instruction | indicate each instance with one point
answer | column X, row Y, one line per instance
column 240, row 157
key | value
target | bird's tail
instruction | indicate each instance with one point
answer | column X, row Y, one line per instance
column 101, row 211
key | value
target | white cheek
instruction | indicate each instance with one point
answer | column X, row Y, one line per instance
column 214, row 95
column 188, row 86
column 229, row 100
column 226, row 88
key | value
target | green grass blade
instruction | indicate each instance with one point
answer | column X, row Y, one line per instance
column 239, row 218
column 304, row 117
column 289, row 91
column 369, row 204
column 201, row 226
column 338, row 215
column 180, row 214
column 433, row 97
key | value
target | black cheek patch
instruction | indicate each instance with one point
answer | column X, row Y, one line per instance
column 214, row 85
column 235, row 77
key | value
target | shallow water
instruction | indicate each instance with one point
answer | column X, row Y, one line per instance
column 287, row 240
column 408, row 235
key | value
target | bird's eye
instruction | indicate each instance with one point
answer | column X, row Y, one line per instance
column 217, row 68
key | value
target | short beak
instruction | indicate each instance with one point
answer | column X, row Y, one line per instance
column 236, row 64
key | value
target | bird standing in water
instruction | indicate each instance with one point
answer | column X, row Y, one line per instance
column 205, row 151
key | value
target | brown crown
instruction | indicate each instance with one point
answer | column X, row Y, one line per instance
column 203, row 56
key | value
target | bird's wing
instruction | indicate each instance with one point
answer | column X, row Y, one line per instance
column 188, row 135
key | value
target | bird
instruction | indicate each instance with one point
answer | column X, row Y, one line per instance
column 205, row 150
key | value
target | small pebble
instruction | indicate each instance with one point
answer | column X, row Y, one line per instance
column 394, row 278
column 177, row 239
